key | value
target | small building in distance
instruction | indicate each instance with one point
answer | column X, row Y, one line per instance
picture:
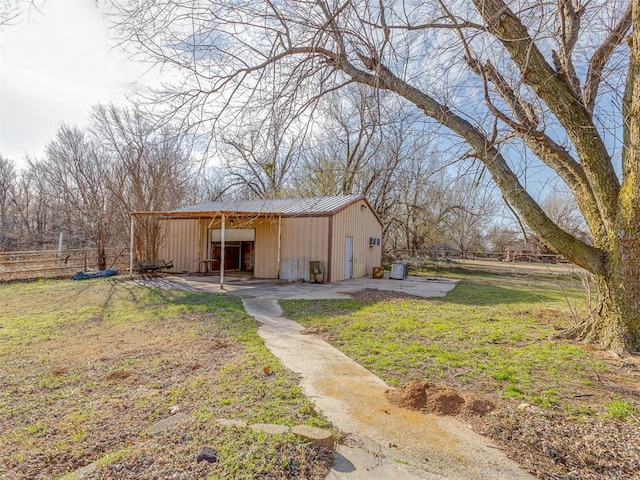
column 325, row 239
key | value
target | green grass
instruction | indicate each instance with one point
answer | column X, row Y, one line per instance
column 492, row 333
column 621, row 410
column 89, row 366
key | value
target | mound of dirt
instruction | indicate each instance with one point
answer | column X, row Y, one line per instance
column 430, row 398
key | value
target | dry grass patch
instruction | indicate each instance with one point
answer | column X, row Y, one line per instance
column 84, row 378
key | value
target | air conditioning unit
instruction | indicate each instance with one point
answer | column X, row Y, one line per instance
column 397, row 271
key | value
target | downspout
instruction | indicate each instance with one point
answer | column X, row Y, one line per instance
column 222, row 232
column 131, row 245
column 279, row 247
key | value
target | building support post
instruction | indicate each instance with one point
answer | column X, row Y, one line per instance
column 278, row 265
column 131, row 245
column 60, row 250
column 222, row 234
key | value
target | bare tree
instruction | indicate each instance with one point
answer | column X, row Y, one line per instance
column 10, row 10
column 416, row 216
column 562, row 209
column 493, row 73
column 500, row 237
column 76, row 174
column 364, row 144
column 261, row 159
column 470, row 208
column 150, row 168
column 8, row 178
column 350, row 137
column 213, row 185
column 33, row 213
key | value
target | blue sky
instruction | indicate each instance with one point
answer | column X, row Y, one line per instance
column 55, row 64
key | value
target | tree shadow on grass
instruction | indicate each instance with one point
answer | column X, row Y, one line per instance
column 476, row 293
column 464, row 293
column 186, row 301
column 196, row 299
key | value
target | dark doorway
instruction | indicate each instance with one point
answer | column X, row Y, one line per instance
column 237, row 256
column 246, row 249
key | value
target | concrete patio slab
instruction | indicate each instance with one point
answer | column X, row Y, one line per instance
column 246, row 287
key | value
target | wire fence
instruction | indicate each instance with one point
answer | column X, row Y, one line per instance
column 447, row 254
column 27, row 265
column 511, row 261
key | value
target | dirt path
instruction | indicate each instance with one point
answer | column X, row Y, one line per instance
column 384, row 441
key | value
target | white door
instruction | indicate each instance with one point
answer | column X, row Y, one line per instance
column 348, row 257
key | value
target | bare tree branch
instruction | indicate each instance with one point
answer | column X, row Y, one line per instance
column 558, row 94
column 602, row 56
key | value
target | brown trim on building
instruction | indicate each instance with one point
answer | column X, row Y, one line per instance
column 330, row 250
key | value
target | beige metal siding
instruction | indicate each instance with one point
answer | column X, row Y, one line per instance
column 304, row 239
column 180, row 244
column 266, row 248
column 359, row 222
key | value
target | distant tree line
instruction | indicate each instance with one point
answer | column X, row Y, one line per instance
column 91, row 178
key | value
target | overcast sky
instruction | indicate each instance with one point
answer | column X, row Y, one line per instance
column 54, row 65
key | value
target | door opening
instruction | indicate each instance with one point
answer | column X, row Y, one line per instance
column 348, row 258
column 237, row 256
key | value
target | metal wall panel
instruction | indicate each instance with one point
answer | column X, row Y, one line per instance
column 180, row 244
column 304, row 239
column 266, row 248
column 359, row 222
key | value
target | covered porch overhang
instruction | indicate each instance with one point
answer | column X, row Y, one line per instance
column 243, row 218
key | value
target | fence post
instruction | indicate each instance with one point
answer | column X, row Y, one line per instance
column 60, row 250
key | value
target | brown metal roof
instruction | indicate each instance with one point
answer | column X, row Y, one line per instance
column 285, row 207
column 280, row 206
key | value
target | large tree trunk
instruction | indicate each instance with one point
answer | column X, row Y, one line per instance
column 615, row 324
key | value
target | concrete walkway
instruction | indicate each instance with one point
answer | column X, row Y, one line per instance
column 390, row 442
column 381, row 441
